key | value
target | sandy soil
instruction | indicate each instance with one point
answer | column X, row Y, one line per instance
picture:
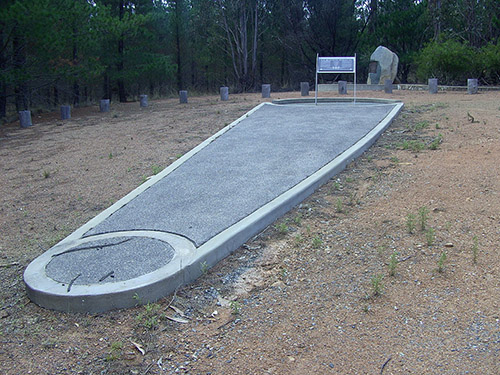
column 392, row 267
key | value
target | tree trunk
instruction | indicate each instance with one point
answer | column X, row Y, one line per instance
column 19, row 57
column 3, row 86
column 121, row 85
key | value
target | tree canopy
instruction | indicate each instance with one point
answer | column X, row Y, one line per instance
column 77, row 51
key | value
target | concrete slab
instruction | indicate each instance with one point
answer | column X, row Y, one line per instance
column 206, row 204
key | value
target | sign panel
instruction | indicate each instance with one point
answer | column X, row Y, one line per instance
column 336, row 65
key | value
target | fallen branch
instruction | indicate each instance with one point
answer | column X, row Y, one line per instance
column 385, row 364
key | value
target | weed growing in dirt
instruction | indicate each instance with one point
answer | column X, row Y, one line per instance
column 46, row 174
column 115, row 351
column 298, row 220
column 282, row 228
column 441, row 261
column 150, row 318
column 155, row 169
column 436, row 142
column 475, row 249
column 415, row 146
column 421, row 125
column 316, row 242
column 204, row 267
column 339, row 206
column 377, row 286
column 110, row 155
column 423, row 216
column 235, row 307
column 394, row 160
column 353, row 199
column 336, row 186
column 298, row 239
column 393, row 263
column 430, row 236
column 410, row 223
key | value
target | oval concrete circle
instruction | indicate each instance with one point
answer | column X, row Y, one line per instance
column 109, row 260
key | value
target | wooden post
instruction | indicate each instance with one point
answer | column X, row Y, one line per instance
column 143, row 100
column 304, row 88
column 183, row 96
column 65, row 112
column 388, row 86
column 104, row 105
column 433, row 85
column 266, row 91
column 343, row 87
column 472, row 86
column 25, row 119
column 224, row 93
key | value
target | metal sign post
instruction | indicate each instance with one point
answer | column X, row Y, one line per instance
column 335, row 65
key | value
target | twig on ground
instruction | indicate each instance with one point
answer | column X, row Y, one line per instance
column 72, row 281
column 385, row 364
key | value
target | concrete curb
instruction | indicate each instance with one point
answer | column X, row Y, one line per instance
column 189, row 262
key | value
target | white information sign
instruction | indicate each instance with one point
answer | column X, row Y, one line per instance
column 335, row 65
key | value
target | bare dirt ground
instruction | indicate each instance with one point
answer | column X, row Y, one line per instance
column 392, row 267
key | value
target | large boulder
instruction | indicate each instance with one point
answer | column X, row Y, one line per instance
column 383, row 65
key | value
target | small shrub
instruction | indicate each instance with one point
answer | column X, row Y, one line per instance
column 282, row 228
column 436, row 142
column 339, row 206
column 410, row 223
column 430, row 236
column 155, row 169
column 235, row 307
column 393, row 262
column 377, row 286
column 423, row 216
column 316, row 242
column 441, row 261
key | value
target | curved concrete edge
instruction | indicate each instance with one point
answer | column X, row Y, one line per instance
column 188, row 263
column 51, row 294
column 336, row 100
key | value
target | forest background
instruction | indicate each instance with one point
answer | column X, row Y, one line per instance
column 76, row 52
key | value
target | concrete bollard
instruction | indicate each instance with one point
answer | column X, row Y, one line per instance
column 433, row 85
column 183, row 96
column 304, row 88
column 224, row 93
column 342, row 87
column 104, row 105
column 388, row 86
column 266, row 91
column 143, row 100
column 65, row 112
column 472, row 86
column 25, row 119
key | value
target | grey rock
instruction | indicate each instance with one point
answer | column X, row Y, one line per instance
column 386, row 67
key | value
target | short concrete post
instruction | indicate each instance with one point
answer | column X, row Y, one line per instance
column 183, row 96
column 433, row 85
column 25, row 119
column 143, row 100
column 65, row 112
column 266, row 91
column 104, row 105
column 388, row 86
column 342, row 87
column 224, row 93
column 304, row 88
column 472, row 86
